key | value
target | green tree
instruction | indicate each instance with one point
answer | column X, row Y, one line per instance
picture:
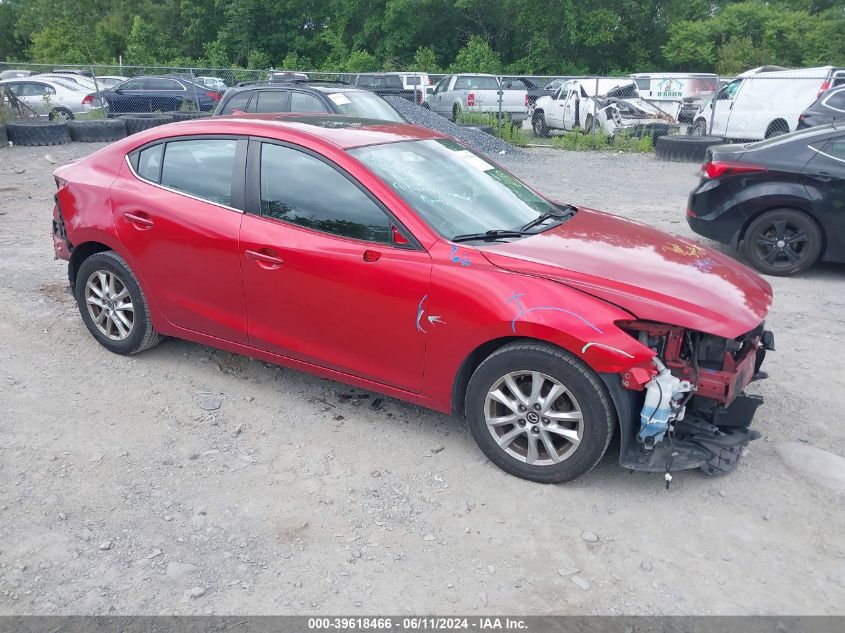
column 477, row 57
column 360, row 62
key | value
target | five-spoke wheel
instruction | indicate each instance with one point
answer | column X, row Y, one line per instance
column 782, row 242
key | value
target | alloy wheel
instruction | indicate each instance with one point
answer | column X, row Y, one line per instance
column 533, row 418
column 109, row 305
column 781, row 244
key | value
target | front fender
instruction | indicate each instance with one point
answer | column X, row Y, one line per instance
column 472, row 302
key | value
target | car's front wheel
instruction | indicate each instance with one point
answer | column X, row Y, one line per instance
column 699, row 128
column 112, row 305
column 782, row 242
column 538, row 123
column 539, row 413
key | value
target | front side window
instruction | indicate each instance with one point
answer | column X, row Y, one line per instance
column 303, row 102
column 729, row 91
column 200, row 167
column 300, row 189
column 456, row 191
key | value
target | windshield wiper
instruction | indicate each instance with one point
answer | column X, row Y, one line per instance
column 493, row 234
column 548, row 215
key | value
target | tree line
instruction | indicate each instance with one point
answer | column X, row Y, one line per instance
column 542, row 37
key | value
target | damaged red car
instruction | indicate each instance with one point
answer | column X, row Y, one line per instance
column 391, row 258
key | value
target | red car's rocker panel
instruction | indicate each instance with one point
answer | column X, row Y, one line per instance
column 587, row 322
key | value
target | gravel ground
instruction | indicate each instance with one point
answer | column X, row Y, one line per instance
column 481, row 141
column 189, row 480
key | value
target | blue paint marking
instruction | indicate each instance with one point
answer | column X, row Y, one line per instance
column 420, row 311
column 705, row 264
column 522, row 311
column 463, row 260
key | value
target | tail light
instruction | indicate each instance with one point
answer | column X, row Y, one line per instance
column 471, row 99
column 721, row 168
column 801, row 118
column 526, row 99
column 691, row 213
column 825, row 86
column 215, row 96
column 88, row 100
column 429, row 81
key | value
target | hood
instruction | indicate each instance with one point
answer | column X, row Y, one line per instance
column 653, row 275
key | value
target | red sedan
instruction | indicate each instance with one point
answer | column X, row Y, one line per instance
column 391, row 258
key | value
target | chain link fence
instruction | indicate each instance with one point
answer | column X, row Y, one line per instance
column 577, row 112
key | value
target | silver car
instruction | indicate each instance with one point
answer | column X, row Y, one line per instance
column 54, row 98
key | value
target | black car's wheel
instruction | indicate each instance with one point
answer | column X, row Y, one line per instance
column 539, row 413
column 782, row 242
column 538, row 124
column 112, row 305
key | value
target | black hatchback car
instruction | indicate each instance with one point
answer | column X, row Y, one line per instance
column 306, row 97
column 828, row 108
column 781, row 201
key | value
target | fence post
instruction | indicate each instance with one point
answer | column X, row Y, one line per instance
column 97, row 90
column 595, row 116
column 194, row 84
column 499, row 122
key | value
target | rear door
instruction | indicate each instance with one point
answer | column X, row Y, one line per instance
column 36, row 95
column 825, row 174
column 324, row 279
column 178, row 211
column 270, row 101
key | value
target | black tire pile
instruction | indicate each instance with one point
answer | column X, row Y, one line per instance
column 683, row 148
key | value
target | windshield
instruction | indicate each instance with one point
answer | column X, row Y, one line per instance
column 456, row 191
column 364, row 104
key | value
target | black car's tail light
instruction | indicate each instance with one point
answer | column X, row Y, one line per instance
column 722, row 168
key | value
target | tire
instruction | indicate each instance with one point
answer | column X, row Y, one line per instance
column 538, row 124
column 4, row 138
column 585, row 392
column 588, row 125
column 777, row 128
column 188, row 115
column 456, row 112
column 38, row 133
column 61, row 114
column 762, row 239
column 141, row 335
column 144, row 121
column 699, row 128
column 97, row 130
column 681, row 148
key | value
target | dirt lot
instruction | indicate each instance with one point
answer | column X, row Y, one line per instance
column 187, row 480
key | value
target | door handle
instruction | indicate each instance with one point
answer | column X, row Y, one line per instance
column 265, row 260
column 139, row 220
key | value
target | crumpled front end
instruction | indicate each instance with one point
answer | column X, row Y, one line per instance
column 692, row 410
column 635, row 118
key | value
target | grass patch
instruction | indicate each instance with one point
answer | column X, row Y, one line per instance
column 575, row 140
column 507, row 131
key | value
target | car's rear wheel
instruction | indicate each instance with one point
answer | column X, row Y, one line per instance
column 539, row 413
column 112, row 305
column 782, row 242
column 538, row 123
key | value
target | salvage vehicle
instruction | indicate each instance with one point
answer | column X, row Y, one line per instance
column 764, row 102
column 306, row 96
column 392, row 258
column 609, row 105
column 54, row 98
column 779, row 201
column 477, row 93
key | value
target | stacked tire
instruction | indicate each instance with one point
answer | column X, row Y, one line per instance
column 188, row 115
column 38, row 133
column 4, row 138
column 144, row 121
column 684, row 148
column 97, row 131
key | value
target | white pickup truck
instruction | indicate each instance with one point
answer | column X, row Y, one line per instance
column 611, row 105
column 476, row 93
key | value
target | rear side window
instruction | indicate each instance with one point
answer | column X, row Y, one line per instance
column 238, row 101
column 290, row 180
column 271, row 101
column 303, row 102
column 836, row 100
column 149, row 163
column 200, row 167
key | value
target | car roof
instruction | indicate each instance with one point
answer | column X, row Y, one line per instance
column 323, row 87
column 344, row 132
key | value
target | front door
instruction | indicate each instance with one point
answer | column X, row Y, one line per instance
column 570, row 111
column 722, row 106
column 325, row 280
column 179, row 219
